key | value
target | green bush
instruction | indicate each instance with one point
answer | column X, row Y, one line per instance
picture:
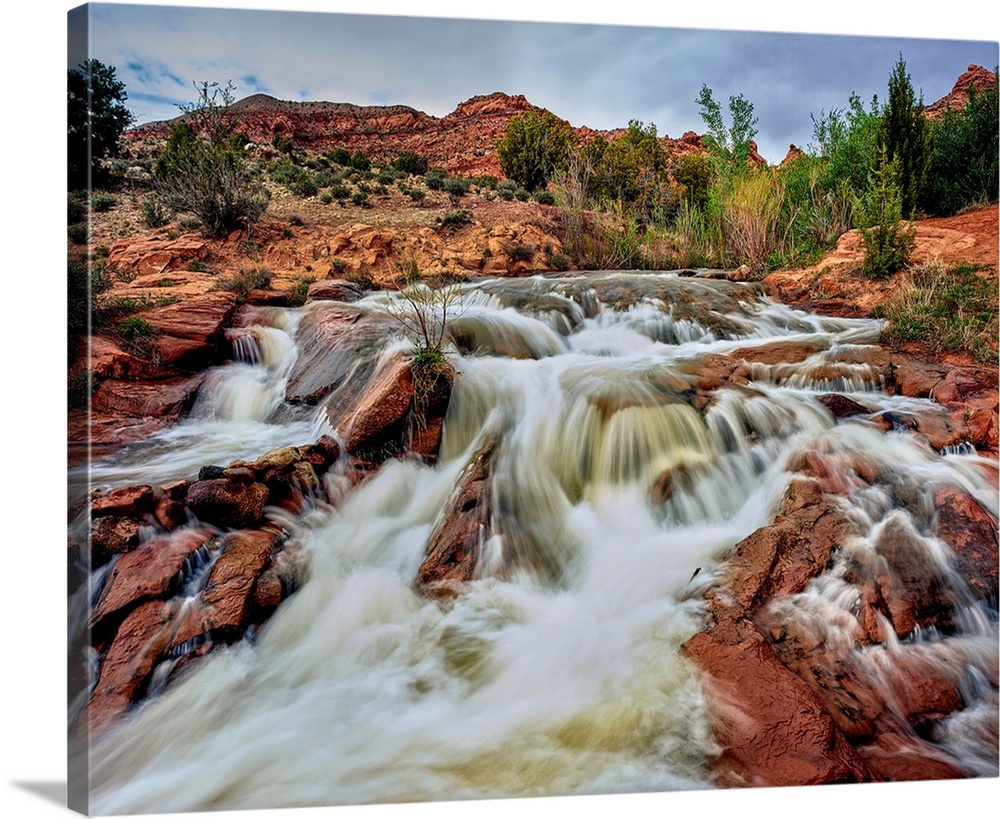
column 412, row 163
column 85, row 282
column 78, row 234
column 304, row 186
column 339, row 156
column 360, row 199
column 245, row 280
column 965, row 165
column 454, row 218
column 878, row 213
column 134, row 328
column 339, row 191
column 284, row 171
column 359, row 161
column 545, row 198
column 155, row 213
column 101, row 202
column 535, row 145
column 434, row 179
column 76, row 211
column 204, row 169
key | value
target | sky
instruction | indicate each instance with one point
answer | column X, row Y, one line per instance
column 589, row 73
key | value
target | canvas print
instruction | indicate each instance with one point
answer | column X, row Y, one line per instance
column 562, row 415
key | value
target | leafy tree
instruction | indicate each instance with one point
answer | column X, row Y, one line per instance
column 887, row 241
column 97, row 117
column 204, row 169
column 632, row 170
column 848, row 139
column 907, row 138
column 965, row 166
column 730, row 146
column 693, row 173
column 534, row 146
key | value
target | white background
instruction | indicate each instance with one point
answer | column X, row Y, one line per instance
column 32, row 451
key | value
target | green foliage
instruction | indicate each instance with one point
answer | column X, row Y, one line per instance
column 76, row 211
column 339, row 156
column 360, row 198
column 848, row 140
column 101, row 201
column 632, row 170
column 906, row 137
column 78, row 234
column 545, row 197
column 729, row 147
column 134, row 328
column 246, row 280
column 434, row 179
column 693, row 174
column 534, row 146
column 965, row 167
column 96, row 118
column 299, row 291
column 85, row 280
column 456, row 188
column 878, row 212
column 284, row 171
column 410, row 162
column 950, row 308
column 455, row 218
column 155, row 212
column 359, row 161
column 204, row 169
column 305, row 186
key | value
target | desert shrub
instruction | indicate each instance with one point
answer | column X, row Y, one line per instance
column 416, row 195
column 204, row 169
column 324, row 178
column 507, row 189
column 545, row 198
column 340, row 191
column 557, row 261
column 454, row 218
column 360, row 199
column 456, row 188
column 78, row 234
column 693, row 174
column 486, row 181
column 284, row 171
column 155, row 212
column 521, row 253
column 878, row 212
column 85, row 282
column 101, row 201
column 411, row 163
column 245, row 280
column 300, row 288
column 296, row 220
column 76, row 211
column 339, row 156
column 434, row 179
column 326, row 197
column 134, row 328
column 385, row 178
column 948, row 307
column 305, row 186
column 359, row 161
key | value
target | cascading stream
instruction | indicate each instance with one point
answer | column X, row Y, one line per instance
column 627, row 465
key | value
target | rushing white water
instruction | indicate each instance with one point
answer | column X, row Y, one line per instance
column 558, row 670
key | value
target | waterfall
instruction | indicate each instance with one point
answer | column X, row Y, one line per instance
column 628, row 463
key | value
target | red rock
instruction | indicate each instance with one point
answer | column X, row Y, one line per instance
column 333, row 290
column 976, row 75
column 779, row 352
column 109, row 361
column 200, row 318
column 226, row 503
column 154, row 255
column 901, row 758
column 916, row 378
column 128, row 665
column 772, row 729
column 840, row 406
column 128, row 501
column 454, row 544
column 781, row 558
column 971, row 533
column 159, row 399
column 963, row 383
column 151, row 571
column 112, row 536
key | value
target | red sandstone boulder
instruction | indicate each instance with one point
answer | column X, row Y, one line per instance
column 772, row 729
column 111, row 536
column 334, row 290
column 971, row 533
column 227, row 503
column 167, row 399
column 465, row 524
column 202, row 318
column 129, row 501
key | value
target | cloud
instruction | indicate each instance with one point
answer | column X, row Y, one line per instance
column 596, row 75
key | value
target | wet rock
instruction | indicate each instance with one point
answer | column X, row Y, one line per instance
column 916, row 378
column 128, row 665
column 129, row 501
column 772, row 729
column 202, row 318
column 466, row 523
column 962, row 383
column 334, row 290
column 111, row 536
column 904, row 758
column 971, row 533
column 781, row 558
column 227, row 503
column 168, row 399
column 338, row 352
column 780, row 352
column 840, row 406
column 151, row 571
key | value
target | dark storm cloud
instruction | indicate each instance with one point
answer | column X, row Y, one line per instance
column 596, row 75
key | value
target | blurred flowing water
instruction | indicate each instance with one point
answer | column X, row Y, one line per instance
column 558, row 670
